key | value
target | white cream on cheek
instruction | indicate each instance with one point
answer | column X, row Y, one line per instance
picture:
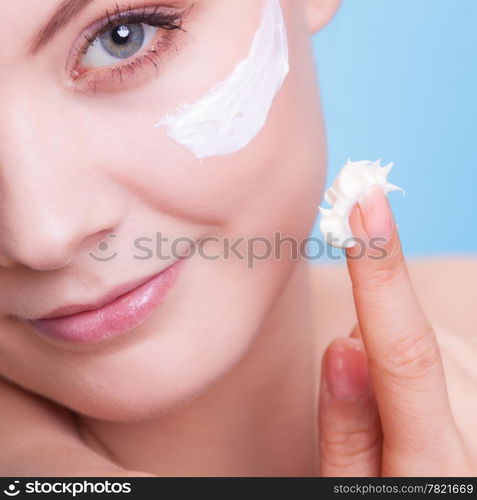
column 351, row 183
column 233, row 112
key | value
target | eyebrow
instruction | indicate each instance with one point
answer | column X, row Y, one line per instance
column 64, row 14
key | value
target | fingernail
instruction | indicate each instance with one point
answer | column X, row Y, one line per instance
column 346, row 369
column 376, row 213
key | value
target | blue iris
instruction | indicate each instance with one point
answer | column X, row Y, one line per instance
column 123, row 41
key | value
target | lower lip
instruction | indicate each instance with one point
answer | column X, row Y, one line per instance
column 116, row 318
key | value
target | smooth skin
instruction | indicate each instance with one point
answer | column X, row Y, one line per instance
column 384, row 407
column 240, row 372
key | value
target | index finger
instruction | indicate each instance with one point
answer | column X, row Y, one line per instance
column 405, row 362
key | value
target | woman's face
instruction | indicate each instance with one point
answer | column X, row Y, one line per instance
column 90, row 187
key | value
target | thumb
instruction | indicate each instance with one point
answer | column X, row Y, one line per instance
column 350, row 437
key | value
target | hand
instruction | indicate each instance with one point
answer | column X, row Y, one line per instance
column 384, row 408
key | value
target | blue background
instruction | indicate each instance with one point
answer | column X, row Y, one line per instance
column 398, row 81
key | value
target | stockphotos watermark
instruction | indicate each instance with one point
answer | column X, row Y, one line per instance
column 250, row 250
column 73, row 488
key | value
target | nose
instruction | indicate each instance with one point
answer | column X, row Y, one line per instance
column 53, row 201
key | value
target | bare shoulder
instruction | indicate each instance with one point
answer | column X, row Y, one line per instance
column 446, row 288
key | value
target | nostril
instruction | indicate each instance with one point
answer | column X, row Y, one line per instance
column 53, row 249
column 50, row 246
column 46, row 226
column 39, row 260
column 45, row 251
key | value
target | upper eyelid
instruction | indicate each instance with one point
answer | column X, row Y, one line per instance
column 96, row 80
column 89, row 33
column 138, row 14
column 65, row 14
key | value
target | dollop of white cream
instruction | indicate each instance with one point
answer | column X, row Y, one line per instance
column 354, row 179
column 233, row 112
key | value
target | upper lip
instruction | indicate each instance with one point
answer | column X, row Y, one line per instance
column 111, row 296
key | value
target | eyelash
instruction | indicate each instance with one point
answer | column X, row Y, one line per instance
column 167, row 19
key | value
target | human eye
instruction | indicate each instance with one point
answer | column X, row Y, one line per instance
column 121, row 49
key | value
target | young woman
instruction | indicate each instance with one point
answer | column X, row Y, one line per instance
column 143, row 146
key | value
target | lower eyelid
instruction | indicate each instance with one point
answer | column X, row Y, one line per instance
column 165, row 19
column 150, row 33
column 131, row 72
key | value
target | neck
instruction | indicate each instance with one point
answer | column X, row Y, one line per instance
column 258, row 420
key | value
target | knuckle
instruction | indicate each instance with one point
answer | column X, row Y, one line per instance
column 344, row 449
column 413, row 355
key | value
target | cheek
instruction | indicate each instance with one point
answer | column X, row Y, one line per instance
column 281, row 171
column 279, row 175
column 273, row 185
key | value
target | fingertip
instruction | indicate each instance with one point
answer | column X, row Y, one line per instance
column 376, row 213
column 357, row 230
column 373, row 226
column 346, row 368
column 378, row 252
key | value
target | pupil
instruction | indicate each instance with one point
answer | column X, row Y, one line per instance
column 123, row 41
column 120, row 35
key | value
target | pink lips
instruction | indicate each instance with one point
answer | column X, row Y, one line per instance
column 115, row 314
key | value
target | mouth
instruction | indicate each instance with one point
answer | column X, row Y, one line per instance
column 116, row 313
